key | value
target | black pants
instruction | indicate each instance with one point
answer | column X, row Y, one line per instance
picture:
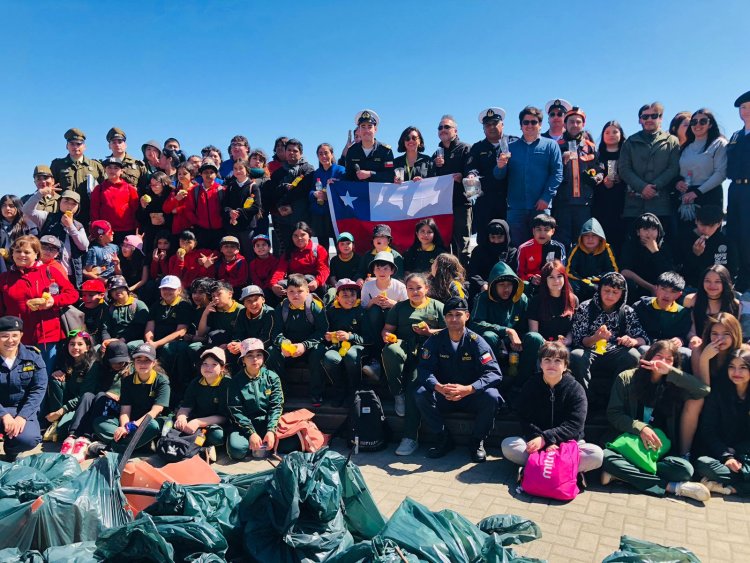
column 89, row 408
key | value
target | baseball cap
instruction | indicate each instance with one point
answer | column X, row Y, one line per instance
column 217, row 353
column 170, row 282
column 249, row 291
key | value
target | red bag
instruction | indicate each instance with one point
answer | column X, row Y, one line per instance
column 300, row 423
column 553, row 474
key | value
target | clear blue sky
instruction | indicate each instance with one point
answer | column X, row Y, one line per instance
column 202, row 72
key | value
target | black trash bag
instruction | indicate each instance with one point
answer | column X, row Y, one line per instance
column 189, row 535
column 377, row 550
column 295, row 515
column 138, row 540
column 15, row 555
column 30, row 477
column 494, row 551
column 635, row 550
column 82, row 552
column 510, row 528
column 75, row 511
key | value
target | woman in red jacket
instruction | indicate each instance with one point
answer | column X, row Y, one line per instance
column 302, row 256
column 176, row 203
column 35, row 293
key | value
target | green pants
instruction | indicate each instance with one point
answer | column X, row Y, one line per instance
column 214, row 435
column 529, row 357
column 104, row 430
column 400, row 368
column 669, row 469
column 714, row 470
column 278, row 363
column 238, row 443
column 344, row 373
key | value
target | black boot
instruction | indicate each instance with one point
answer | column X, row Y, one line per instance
column 443, row 446
column 476, row 448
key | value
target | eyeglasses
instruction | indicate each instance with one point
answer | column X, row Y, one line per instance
column 441, row 127
column 556, row 114
column 78, row 332
column 645, row 116
column 701, row 121
column 530, row 122
column 412, row 138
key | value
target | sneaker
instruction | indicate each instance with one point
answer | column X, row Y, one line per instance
column 80, row 448
column 407, row 446
column 372, row 371
column 696, row 491
column 400, row 404
column 96, row 449
column 67, row 445
column 715, row 487
column 478, row 454
column 606, row 478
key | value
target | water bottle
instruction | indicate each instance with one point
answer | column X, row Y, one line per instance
column 318, row 189
column 167, row 427
column 131, row 427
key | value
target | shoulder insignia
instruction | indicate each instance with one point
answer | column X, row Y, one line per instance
column 473, row 335
column 425, row 353
column 387, row 147
column 35, row 349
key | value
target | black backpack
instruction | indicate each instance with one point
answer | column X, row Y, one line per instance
column 366, row 428
column 174, row 447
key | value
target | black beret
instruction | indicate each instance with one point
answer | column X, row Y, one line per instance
column 455, row 304
column 742, row 99
column 9, row 323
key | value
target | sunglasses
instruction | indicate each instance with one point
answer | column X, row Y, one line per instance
column 78, row 332
column 556, row 114
column 441, row 127
column 43, row 176
column 645, row 116
column 701, row 121
column 530, row 122
column 411, row 138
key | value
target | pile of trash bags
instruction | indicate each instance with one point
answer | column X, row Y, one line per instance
column 312, row 507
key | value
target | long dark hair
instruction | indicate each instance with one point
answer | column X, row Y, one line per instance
column 612, row 123
column 66, row 363
column 641, row 381
column 728, row 302
column 437, row 239
column 713, row 131
column 18, row 225
column 301, row 226
column 449, row 269
column 545, row 298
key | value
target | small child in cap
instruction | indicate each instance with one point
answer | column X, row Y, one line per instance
column 381, row 242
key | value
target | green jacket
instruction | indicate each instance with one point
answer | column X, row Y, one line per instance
column 206, row 400
column 492, row 313
column 297, row 328
column 622, row 411
column 649, row 159
column 126, row 321
column 261, row 327
column 258, row 401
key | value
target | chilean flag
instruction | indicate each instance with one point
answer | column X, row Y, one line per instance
column 357, row 207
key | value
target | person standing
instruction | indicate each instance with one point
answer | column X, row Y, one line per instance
column 738, row 171
column 239, row 149
column 556, row 110
column 133, row 171
column 369, row 160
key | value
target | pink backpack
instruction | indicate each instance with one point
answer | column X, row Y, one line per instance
column 553, row 474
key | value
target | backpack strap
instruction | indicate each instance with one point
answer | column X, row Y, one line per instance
column 284, row 310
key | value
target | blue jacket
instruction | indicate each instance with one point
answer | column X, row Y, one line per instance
column 22, row 387
column 534, row 172
column 337, row 173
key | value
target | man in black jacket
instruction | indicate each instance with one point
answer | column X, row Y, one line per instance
column 368, row 160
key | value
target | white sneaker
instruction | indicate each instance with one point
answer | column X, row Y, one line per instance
column 67, row 445
column 400, row 404
column 407, row 446
column 80, row 449
column 696, row 491
column 715, row 487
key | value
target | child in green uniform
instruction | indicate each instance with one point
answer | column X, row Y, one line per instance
column 381, row 242
column 255, row 402
column 144, row 392
column 341, row 351
column 204, row 407
column 299, row 326
column 407, row 326
column 126, row 317
column 344, row 265
column 219, row 319
column 255, row 322
column 427, row 245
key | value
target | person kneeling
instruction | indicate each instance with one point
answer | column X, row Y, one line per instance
column 458, row 371
column 552, row 408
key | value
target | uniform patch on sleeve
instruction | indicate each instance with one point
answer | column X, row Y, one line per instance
column 268, row 392
column 389, row 164
column 425, row 354
column 485, row 358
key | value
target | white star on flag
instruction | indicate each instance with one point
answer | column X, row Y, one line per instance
column 348, row 200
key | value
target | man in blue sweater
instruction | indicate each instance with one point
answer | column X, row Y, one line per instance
column 534, row 169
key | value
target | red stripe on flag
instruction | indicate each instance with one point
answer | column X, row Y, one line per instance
column 401, row 231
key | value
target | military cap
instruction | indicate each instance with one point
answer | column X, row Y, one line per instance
column 575, row 110
column 455, row 304
column 381, row 231
column 115, row 133
column 558, row 103
column 112, row 161
column 491, row 114
column 366, row 116
column 9, row 323
column 75, row 135
column 742, row 99
column 42, row 170
column 70, row 194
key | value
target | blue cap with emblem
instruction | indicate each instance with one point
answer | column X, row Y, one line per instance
column 9, row 323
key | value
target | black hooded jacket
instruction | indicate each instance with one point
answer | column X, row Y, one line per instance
column 486, row 255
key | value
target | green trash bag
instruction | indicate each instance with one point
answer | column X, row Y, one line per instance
column 189, row 535
column 15, row 555
column 494, row 551
column 74, row 511
column 30, row 477
column 81, row 552
column 377, row 550
column 635, row 550
column 138, row 540
column 244, row 481
column 363, row 518
column 295, row 515
column 510, row 528
column 205, row 558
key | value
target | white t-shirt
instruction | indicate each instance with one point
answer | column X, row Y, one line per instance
column 396, row 291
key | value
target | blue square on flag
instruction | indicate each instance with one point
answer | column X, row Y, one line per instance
column 351, row 200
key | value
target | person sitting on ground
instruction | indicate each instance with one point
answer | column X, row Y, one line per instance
column 381, row 242
column 707, row 245
column 647, row 398
column 458, row 371
column 552, row 408
column 645, row 255
column 589, row 260
column 255, row 402
column 126, row 315
column 427, row 245
column 447, row 278
column 723, row 430
column 662, row 317
column 539, row 249
column 203, row 408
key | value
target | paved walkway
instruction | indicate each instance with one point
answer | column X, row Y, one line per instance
column 586, row 529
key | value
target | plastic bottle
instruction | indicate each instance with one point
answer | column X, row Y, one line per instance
column 200, row 439
column 319, row 188
column 167, row 427
column 513, row 359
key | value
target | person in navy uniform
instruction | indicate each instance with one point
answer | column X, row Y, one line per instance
column 23, row 383
column 368, row 160
column 458, row 371
column 738, row 171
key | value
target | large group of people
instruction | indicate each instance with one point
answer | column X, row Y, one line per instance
column 182, row 289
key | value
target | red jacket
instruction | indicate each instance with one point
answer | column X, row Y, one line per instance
column 178, row 209
column 17, row 287
column 203, row 206
column 261, row 271
column 235, row 272
column 116, row 203
column 190, row 269
column 304, row 261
